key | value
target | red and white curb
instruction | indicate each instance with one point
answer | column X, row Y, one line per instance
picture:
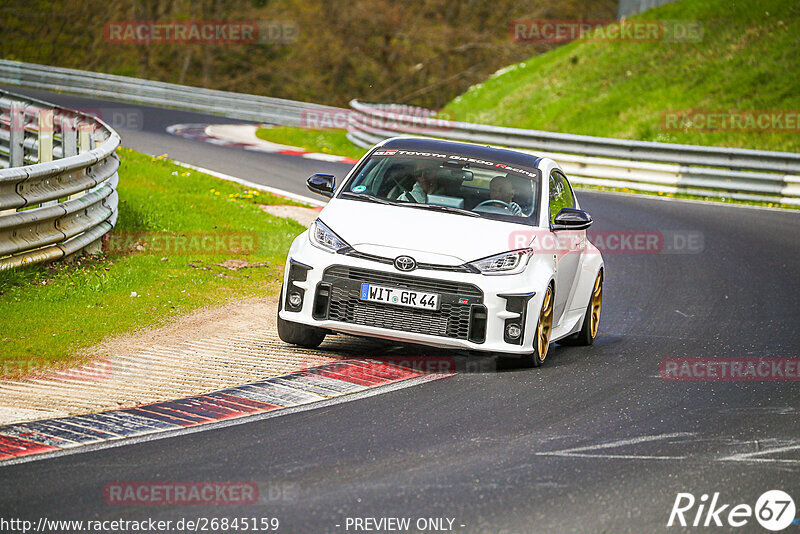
column 244, row 136
column 309, row 388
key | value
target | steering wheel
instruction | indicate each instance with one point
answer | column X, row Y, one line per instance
column 506, row 205
column 406, row 194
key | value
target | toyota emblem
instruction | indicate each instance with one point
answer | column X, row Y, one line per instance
column 405, row 263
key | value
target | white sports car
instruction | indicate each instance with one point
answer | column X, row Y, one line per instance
column 450, row 245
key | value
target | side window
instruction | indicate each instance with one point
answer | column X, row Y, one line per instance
column 560, row 194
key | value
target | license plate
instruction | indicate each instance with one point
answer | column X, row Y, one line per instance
column 401, row 297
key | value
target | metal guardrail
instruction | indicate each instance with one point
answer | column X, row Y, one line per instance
column 58, row 181
column 672, row 168
column 160, row 94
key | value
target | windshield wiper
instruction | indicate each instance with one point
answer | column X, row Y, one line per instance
column 368, row 198
column 447, row 209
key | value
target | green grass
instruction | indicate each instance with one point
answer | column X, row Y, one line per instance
column 324, row 141
column 747, row 60
column 50, row 312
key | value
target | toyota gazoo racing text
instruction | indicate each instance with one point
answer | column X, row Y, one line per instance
column 449, row 245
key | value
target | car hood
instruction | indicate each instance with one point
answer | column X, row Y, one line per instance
column 428, row 236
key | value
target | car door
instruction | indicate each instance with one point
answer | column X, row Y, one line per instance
column 568, row 244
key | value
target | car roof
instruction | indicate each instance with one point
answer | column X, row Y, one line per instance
column 500, row 155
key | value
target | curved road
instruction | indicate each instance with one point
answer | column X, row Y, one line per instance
column 594, row 441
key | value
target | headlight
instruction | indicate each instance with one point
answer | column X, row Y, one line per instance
column 512, row 262
column 323, row 237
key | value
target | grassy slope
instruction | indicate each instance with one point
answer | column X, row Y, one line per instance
column 748, row 59
column 51, row 311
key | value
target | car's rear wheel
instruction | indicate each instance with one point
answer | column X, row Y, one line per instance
column 544, row 328
column 591, row 320
column 296, row 333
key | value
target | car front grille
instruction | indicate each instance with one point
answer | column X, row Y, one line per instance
column 461, row 314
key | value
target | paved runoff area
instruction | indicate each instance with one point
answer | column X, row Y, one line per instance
column 221, row 364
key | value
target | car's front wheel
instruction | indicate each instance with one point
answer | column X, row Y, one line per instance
column 296, row 333
column 543, row 329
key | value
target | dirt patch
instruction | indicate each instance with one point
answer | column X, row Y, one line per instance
column 207, row 350
column 304, row 216
column 205, row 322
column 235, row 265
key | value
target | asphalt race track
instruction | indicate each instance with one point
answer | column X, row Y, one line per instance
column 144, row 129
column 594, row 441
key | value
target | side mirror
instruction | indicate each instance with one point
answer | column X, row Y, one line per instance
column 571, row 219
column 324, row 184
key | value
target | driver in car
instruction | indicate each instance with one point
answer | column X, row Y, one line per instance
column 501, row 188
column 427, row 184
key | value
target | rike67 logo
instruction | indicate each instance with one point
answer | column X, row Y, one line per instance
column 774, row 510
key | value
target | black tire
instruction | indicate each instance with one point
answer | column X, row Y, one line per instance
column 296, row 333
column 588, row 331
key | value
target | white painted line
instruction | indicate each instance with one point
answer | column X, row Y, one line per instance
column 614, row 456
column 578, row 452
column 260, row 187
column 751, row 456
column 322, row 157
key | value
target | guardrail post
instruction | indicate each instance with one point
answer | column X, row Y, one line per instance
column 69, row 137
column 85, row 143
column 46, row 142
column 69, row 144
column 16, row 156
column 16, row 140
column 45, row 135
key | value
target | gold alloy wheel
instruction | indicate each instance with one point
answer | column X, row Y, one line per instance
column 597, row 302
column 545, row 325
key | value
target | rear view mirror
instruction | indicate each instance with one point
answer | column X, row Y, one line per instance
column 323, row 184
column 458, row 170
column 571, row 219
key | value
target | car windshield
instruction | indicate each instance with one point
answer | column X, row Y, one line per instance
column 448, row 182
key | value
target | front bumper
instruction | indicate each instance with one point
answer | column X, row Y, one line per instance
column 474, row 313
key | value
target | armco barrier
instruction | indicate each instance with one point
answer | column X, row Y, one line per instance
column 58, row 181
column 159, row 94
column 671, row 168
